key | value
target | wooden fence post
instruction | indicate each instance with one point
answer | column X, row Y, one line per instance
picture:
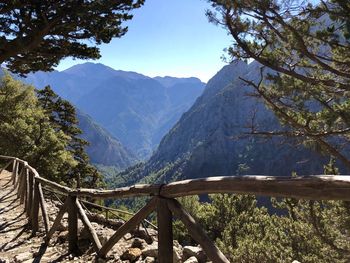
column 43, row 208
column 165, row 232
column 197, row 232
column 14, row 170
column 18, row 184
column 35, row 209
column 128, row 226
column 30, row 196
column 72, row 224
column 24, row 188
column 18, row 175
column 26, row 193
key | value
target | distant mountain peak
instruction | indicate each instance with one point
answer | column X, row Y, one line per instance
column 168, row 81
column 86, row 66
column 90, row 68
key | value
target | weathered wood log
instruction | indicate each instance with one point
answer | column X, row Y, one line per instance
column 53, row 185
column 34, row 222
column 123, row 192
column 32, row 170
column 26, row 193
column 58, row 219
column 17, row 172
column 19, row 175
column 24, row 188
column 43, row 208
column 13, row 170
column 165, row 232
column 128, row 226
column 72, row 225
column 30, row 196
column 94, row 238
column 7, row 157
column 20, row 183
column 322, row 187
column 311, row 187
column 196, row 232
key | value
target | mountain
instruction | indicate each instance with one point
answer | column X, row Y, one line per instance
column 212, row 137
column 135, row 109
column 103, row 148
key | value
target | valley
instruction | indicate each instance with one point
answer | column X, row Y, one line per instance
column 201, row 130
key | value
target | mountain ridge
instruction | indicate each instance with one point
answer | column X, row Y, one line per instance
column 212, row 138
column 136, row 109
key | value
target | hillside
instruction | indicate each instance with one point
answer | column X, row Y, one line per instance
column 212, row 137
column 135, row 109
column 103, row 147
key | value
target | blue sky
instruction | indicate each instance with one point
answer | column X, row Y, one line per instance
column 167, row 37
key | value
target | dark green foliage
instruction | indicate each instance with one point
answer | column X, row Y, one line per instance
column 41, row 128
column 62, row 115
column 27, row 132
column 304, row 52
column 307, row 231
column 37, row 35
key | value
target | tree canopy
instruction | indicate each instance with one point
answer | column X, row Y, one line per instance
column 41, row 128
column 306, row 231
column 304, row 52
column 36, row 35
column 62, row 116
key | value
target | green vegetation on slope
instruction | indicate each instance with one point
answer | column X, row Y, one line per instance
column 307, row 231
column 304, row 53
column 42, row 129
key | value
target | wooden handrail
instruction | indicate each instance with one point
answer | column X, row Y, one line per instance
column 29, row 184
column 316, row 187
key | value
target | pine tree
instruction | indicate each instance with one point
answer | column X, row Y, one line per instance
column 62, row 115
column 27, row 132
column 36, row 35
column 304, row 52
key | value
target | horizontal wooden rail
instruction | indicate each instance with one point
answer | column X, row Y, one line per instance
column 318, row 187
column 30, row 192
column 53, row 185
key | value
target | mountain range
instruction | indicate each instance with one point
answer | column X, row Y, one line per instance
column 125, row 113
column 200, row 131
column 103, row 148
column 213, row 137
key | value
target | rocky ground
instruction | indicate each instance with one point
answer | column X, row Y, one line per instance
column 18, row 245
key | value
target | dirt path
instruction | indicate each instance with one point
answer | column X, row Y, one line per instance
column 16, row 242
column 18, row 245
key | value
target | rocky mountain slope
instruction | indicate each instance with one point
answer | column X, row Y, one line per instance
column 103, row 148
column 135, row 109
column 212, row 137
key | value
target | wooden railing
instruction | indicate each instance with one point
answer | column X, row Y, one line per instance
column 30, row 192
